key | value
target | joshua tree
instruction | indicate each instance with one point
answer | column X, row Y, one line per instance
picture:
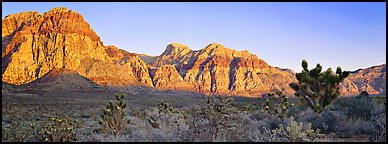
column 113, row 116
column 318, row 89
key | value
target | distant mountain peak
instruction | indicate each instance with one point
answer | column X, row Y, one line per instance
column 213, row 46
column 176, row 48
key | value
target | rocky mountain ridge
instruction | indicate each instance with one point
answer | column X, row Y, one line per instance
column 33, row 45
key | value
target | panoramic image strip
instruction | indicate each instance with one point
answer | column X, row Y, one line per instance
column 193, row 72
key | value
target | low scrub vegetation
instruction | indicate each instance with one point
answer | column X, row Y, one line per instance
column 218, row 119
column 316, row 114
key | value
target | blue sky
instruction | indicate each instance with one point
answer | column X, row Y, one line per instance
column 350, row 35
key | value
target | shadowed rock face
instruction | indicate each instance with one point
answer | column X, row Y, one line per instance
column 35, row 44
column 60, row 38
column 62, row 80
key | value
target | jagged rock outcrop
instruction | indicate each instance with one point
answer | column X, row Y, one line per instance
column 147, row 59
column 130, row 65
column 60, row 38
column 174, row 54
column 372, row 80
column 219, row 70
column 13, row 21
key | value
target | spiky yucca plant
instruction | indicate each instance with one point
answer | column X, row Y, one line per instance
column 113, row 116
column 318, row 89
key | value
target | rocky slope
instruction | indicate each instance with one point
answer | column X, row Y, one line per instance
column 62, row 80
column 35, row 44
column 372, row 80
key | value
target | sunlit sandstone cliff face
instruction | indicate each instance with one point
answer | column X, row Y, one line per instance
column 33, row 45
column 166, row 77
column 36, row 44
column 219, row 70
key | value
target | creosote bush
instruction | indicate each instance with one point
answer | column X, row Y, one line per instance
column 211, row 122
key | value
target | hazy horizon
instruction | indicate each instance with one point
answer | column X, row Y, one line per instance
column 350, row 35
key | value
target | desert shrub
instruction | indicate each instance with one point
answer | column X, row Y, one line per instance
column 379, row 133
column 241, row 127
column 159, row 126
column 218, row 121
column 263, row 123
column 209, row 123
column 350, row 128
column 113, row 116
column 380, row 99
column 261, row 115
column 295, row 110
column 317, row 89
column 360, row 107
column 274, row 123
column 15, row 133
column 340, row 123
column 327, row 121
